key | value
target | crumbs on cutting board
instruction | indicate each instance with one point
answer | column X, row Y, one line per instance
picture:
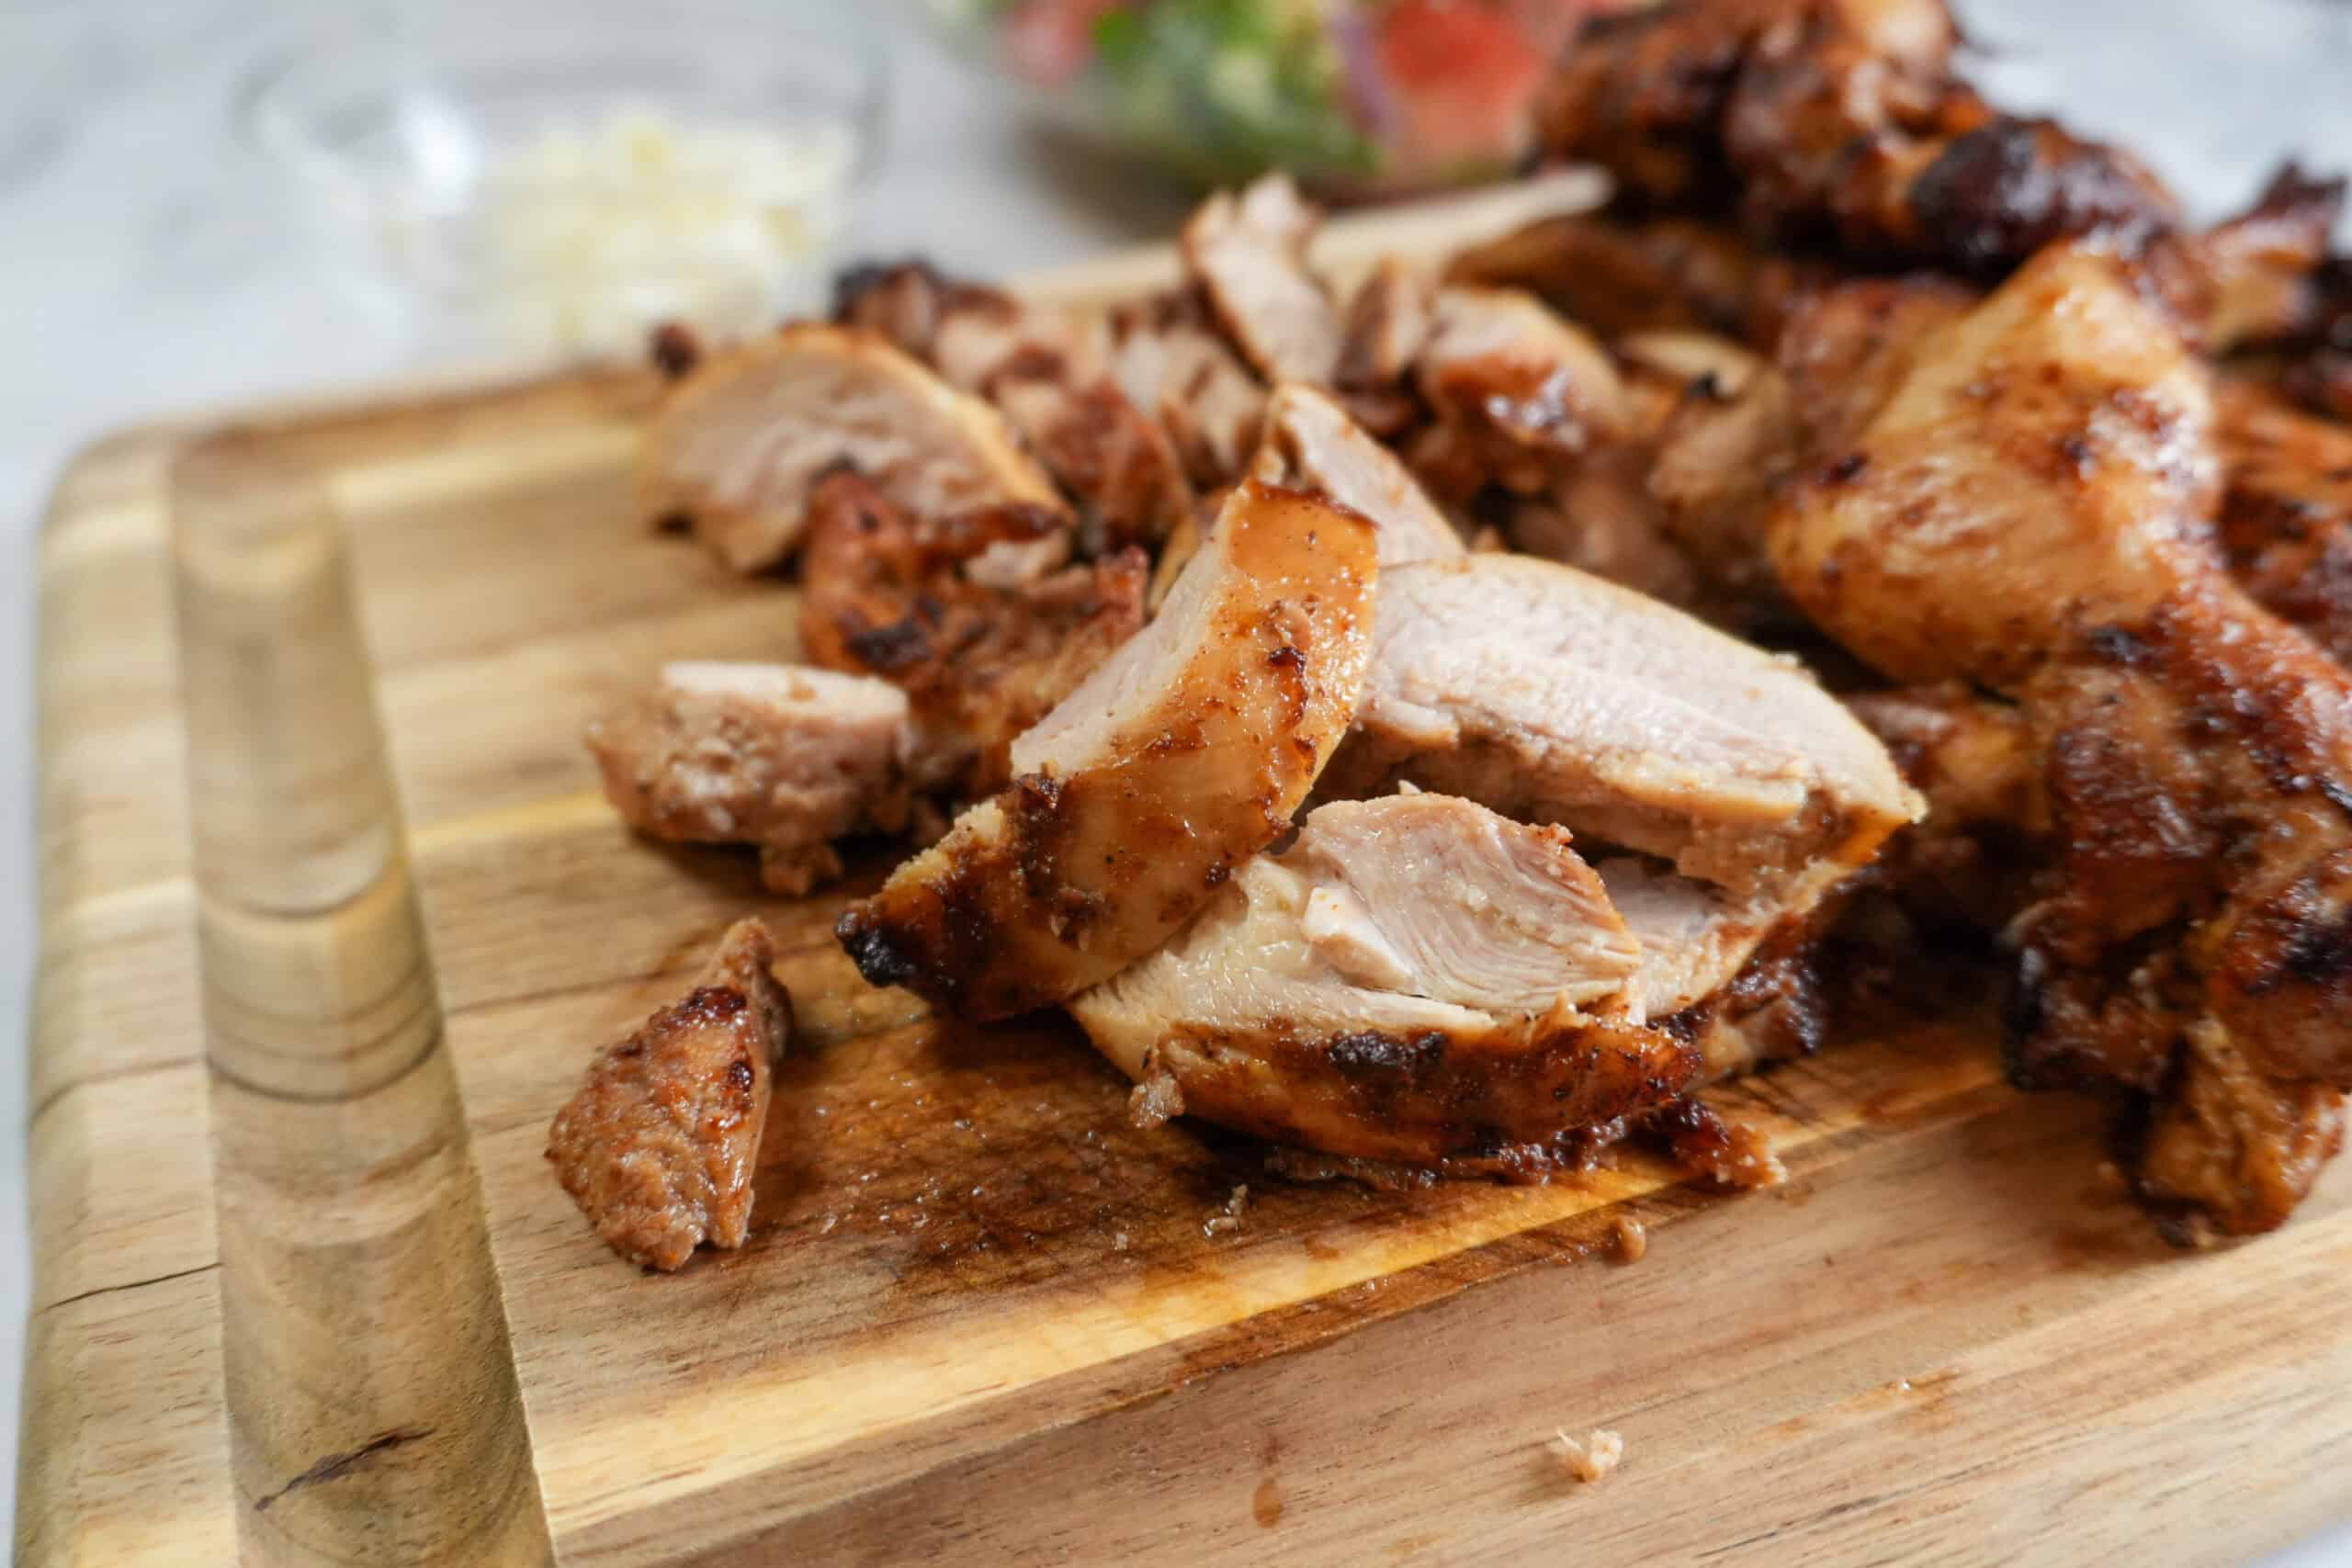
column 1228, row 1219
column 1591, row 1458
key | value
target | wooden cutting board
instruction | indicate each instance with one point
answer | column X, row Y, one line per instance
column 333, row 917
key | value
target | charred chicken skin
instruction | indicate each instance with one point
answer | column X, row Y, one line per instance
column 2031, row 508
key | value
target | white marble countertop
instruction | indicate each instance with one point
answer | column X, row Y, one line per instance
column 144, row 275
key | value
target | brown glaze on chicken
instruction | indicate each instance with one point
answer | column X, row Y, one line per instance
column 888, row 595
column 1516, row 394
column 2287, row 511
column 784, row 759
column 2032, row 510
column 1835, row 120
column 1319, row 1002
column 737, row 441
column 1133, row 800
column 1550, row 695
column 659, row 1146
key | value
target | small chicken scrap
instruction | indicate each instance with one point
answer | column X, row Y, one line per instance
column 659, row 1146
column 785, row 759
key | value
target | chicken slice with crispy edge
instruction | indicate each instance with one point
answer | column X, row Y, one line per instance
column 741, row 437
column 1327, row 999
column 1182, row 755
column 1311, row 443
column 1245, row 251
column 887, row 595
column 659, row 1146
column 2031, row 508
column 781, row 758
column 1554, row 696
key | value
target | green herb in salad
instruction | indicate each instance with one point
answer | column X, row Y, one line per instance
column 1221, row 88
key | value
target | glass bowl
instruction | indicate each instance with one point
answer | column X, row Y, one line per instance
column 557, row 177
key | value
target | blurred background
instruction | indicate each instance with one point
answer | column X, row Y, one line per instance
column 208, row 202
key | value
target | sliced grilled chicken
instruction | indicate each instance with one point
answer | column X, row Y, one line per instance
column 1551, row 695
column 889, row 595
column 1517, row 393
column 1048, row 372
column 1172, row 366
column 1388, row 320
column 770, row 755
column 1312, row 443
column 741, row 437
column 1247, row 255
column 1182, row 755
column 1415, row 977
column 657, row 1148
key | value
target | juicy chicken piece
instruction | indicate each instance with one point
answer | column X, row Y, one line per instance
column 1727, row 454
column 887, row 595
column 739, row 439
column 2287, row 512
column 1312, row 443
column 1517, row 393
column 1172, row 365
column 1136, row 797
column 1247, row 254
column 2031, row 509
column 1837, row 117
column 657, row 1148
column 1554, row 696
column 1049, row 375
column 785, row 759
column 1326, row 999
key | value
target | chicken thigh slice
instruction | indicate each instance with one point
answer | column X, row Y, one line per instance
column 1551, row 695
column 1142, row 792
column 737, row 442
column 1331, row 998
column 771, row 755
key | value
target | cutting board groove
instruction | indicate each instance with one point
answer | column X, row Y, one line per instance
column 333, row 918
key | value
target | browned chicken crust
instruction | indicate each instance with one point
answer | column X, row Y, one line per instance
column 2031, row 508
column 1136, row 798
column 888, row 595
column 1837, row 119
column 2287, row 511
column 659, row 1146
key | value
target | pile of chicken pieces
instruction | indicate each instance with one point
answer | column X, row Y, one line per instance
column 1387, row 720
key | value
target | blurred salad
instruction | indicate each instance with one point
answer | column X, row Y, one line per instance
column 1355, row 97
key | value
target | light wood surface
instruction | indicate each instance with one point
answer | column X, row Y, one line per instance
column 314, row 984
